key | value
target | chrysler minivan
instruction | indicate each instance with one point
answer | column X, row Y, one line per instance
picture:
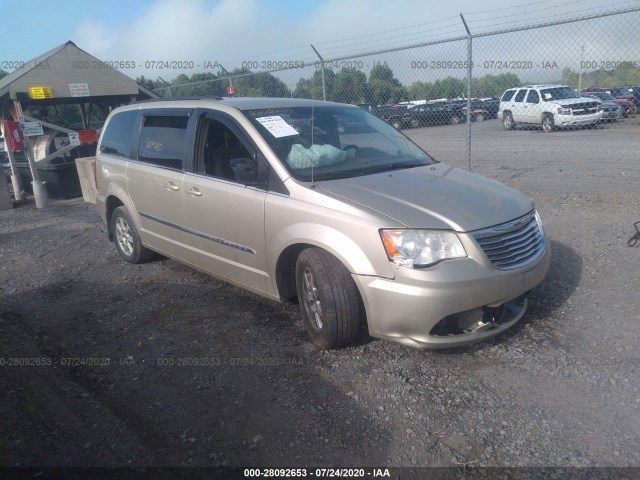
column 325, row 205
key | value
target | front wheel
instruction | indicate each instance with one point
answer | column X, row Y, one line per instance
column 455, row 120
column 547, row 124
column 480, row 117
column 127, row 238
column 507, row 121
column 329, row 299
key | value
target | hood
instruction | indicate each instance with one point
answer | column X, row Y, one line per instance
column 621, row 100
column 573, row 101
column 434, row 196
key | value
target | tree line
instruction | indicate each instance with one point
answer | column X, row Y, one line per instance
column 349, row 85
column 625, row 73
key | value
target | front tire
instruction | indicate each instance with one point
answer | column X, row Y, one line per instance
column 547, row 124
column 455, row 120
column 329, row 299
column 127, row 238
column 507, row 121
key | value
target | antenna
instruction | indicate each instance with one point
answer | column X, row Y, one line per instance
column 313, row 185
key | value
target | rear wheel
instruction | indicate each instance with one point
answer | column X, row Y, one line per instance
column 547, row 123
column 455, row 120
column 329, row 299
column 396, row 123
column 480, row 117
column 127, row 239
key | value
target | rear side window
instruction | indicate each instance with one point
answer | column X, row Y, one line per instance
column 118, row 135
column 520, row 95
column 507, row 96
column 162, row 140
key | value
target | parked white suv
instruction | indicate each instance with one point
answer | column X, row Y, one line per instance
column 550, row 106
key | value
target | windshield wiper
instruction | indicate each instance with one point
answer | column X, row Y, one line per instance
column 391, row 166
column 368, row 170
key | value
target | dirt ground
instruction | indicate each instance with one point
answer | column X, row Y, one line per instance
column 107, row 364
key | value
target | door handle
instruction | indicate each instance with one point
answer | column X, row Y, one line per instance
column 171, row 186
column 194, row 191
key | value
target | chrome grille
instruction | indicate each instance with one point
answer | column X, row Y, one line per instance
column 513, row 244
column 585, row 108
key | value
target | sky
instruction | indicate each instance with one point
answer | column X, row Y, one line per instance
column 236, row 32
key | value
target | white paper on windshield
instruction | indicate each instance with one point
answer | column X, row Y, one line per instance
column 277, row 126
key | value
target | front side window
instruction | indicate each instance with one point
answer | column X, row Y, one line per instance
column 118, row 135
column 520, row 95
column 329, row 142
column 162, row 140
column 224, row 155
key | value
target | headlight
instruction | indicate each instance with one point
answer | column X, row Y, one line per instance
column 564, row 111
column 421, row 248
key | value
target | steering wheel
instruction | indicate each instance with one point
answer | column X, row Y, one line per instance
column 347, row 147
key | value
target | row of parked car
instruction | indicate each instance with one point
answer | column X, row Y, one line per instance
column 450, row 112
column 550, row 106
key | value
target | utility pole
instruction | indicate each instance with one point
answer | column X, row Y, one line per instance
column 581, row 65
column 469, row 74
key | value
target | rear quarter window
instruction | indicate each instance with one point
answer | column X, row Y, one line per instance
column 118, row 136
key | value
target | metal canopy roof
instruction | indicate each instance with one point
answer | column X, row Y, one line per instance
column 67, row 65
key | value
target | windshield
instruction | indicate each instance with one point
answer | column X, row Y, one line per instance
column 558, row 93
column 332, row 142
column 603, row 95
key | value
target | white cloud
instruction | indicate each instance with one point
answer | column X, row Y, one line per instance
column 233, row 31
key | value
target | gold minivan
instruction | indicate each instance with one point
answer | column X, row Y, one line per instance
column 326, row 205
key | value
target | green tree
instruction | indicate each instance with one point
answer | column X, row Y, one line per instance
column 571, row 78
column 493, row 85
column 3, row 73
column 199, row 85
column 384, row 86
column 419, row 90
column 449, row 87
column 485, row 86
column 261, row 84
column 351, row 87
column 312, row 87
column 624, row 74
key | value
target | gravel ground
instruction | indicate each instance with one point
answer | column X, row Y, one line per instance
column 158, row 365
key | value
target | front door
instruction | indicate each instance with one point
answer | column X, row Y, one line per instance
column 223, row 205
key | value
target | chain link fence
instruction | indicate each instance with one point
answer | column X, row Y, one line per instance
column 456, row 83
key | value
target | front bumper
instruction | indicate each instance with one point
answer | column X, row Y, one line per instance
column 576, row 120
column 407, row 308
column 611, row 114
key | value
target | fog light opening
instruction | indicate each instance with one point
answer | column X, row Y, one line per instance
column 469, row 321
